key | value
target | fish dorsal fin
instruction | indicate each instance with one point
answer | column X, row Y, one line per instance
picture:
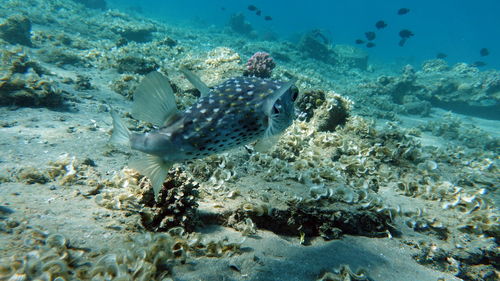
column 196, row 81
column 172, row 119
column 272, row 98
column 154, row 99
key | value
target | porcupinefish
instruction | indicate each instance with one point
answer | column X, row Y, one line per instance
column 235, row 113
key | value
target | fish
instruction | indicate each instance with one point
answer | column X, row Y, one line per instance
column 484, row 52
column 359, row 41
column 402, row 42
column 478, row 64
column 370, row 45
column 237, row 112
column 441, row 55
column 370, row 35
column 258, row 12
column 268, row 18
column 380, row 24
column 252, row 8
column 403, row 11
column 406, row 33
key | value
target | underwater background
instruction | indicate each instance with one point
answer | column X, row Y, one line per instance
column 388, row 170
column 458, row 28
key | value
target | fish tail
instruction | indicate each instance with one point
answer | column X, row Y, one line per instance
column 121, row 134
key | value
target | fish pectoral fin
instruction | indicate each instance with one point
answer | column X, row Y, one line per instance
column 155, row 168
column 154, row 99
column 121, row 134
column 265, row 144
column 196, row 81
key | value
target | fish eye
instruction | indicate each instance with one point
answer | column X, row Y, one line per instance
column 275, row 110
column 295, row 93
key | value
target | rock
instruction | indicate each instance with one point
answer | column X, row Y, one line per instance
column 93, row 4
column 17, row 30
column 139, row 65
column 351, row 57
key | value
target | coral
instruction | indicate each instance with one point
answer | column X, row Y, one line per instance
column 16, row 30
column 140, row 33
column 21, row 82
column 309, row 101
column 238, row 24
column 141, row 257
column 261, row 64
column 125, row 85
column 333, row 112
column 134, row 64
column 176, row 205
column 350, row 57
column 436, row 65
column 31, row 175
column 67, row 170
column 314, row 45
column 60, row 56
column 82, row 83
column 93, row 4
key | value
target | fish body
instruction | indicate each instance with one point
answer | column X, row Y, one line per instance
column 231, row 115
column 484, row 52
column 406, row 33
column 237, row 112
column 403, row 11
column 370, row 35
column 380, row 24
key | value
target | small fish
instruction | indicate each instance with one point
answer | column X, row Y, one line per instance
column 232, row 114
column 268, row 18
column 258, row 12
column 478, row 64
column 370, row 45
column 441, row 55
column 359, row 41
column 406, row 33
column 252, row 8
column 484, row 52
column 370, row 35
column 380, row 24
column 403, row 11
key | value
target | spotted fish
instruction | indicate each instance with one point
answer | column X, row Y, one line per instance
column 237, row 112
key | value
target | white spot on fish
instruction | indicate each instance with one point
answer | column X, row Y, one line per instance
column 209, row 119
column 210, row 101
column 238, row 89
column 198, row 105
column 203, row 111
column 251, row 86
column 250, row 93
column 216, row 110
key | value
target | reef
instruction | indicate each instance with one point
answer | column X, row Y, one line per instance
column 460, row 88
column 261, row 64
column 93, row 4
column 339, row 170
column 16, row 30
column 238, row 24
column 23, row 82
column 316, row 45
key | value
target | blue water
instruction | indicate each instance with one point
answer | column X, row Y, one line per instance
column 458, row 28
